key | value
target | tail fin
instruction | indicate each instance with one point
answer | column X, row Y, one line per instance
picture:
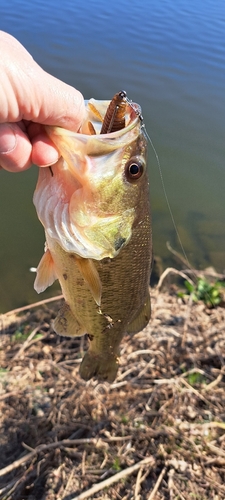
column 100, row 367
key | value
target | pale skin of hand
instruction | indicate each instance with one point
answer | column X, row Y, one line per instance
column 29, row 99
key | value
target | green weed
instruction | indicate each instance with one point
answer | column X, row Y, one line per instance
column 124, row 419
column 116, row 465
column 209, row 293
column 20, row 337
column 3, row 371
column 196, row 378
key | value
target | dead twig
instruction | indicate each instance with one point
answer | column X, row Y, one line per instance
column 216, row 450
column 59, row 444
column 206, row 273
column 180, row 257
column 9, row 395
column 172, row 270
column 35, row 304
column 113, row 479
column 192, row 389
column 186, row 320
column 157, row 484
column 138, row 484
column 27, row 342
column 68, row 482
column 8, row 486
column 140, row 478
column 215, row 382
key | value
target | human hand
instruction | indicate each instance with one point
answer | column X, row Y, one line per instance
column 29, row 99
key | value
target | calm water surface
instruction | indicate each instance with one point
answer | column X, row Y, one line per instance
column 170, row 57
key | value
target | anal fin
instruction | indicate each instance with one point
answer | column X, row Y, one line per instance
column 142, row 317
column 66, row 323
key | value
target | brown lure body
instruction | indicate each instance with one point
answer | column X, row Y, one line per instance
column 115, row 115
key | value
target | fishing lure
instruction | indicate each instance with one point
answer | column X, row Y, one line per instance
column 115, row 115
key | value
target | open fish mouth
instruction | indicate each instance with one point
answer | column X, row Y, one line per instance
column 78, row 200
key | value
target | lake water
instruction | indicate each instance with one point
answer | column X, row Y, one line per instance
column 169, row 56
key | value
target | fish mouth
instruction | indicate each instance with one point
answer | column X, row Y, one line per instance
column 93, row 145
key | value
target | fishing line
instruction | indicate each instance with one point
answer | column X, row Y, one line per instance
column 194, row 274
column 166, row 197
column 136, row 109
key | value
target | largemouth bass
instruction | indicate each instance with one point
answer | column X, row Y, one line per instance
column 94, row 206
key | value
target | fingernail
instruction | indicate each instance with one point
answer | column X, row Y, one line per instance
column 7, row 138
column 48, row 164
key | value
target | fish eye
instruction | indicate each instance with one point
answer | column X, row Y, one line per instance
column 134, row 169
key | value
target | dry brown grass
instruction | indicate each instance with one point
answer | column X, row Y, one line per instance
column 158, row 432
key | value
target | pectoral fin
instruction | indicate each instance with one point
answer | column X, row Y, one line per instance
column 66, row 323
column 91, row 277
column 45, row 273
column 111, row 233
column 142, row 318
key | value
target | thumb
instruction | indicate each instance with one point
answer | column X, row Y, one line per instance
column 15, row 148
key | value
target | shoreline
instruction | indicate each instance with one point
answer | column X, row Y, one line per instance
column 165, row 407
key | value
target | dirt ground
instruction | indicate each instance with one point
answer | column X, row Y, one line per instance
column 157, row 432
